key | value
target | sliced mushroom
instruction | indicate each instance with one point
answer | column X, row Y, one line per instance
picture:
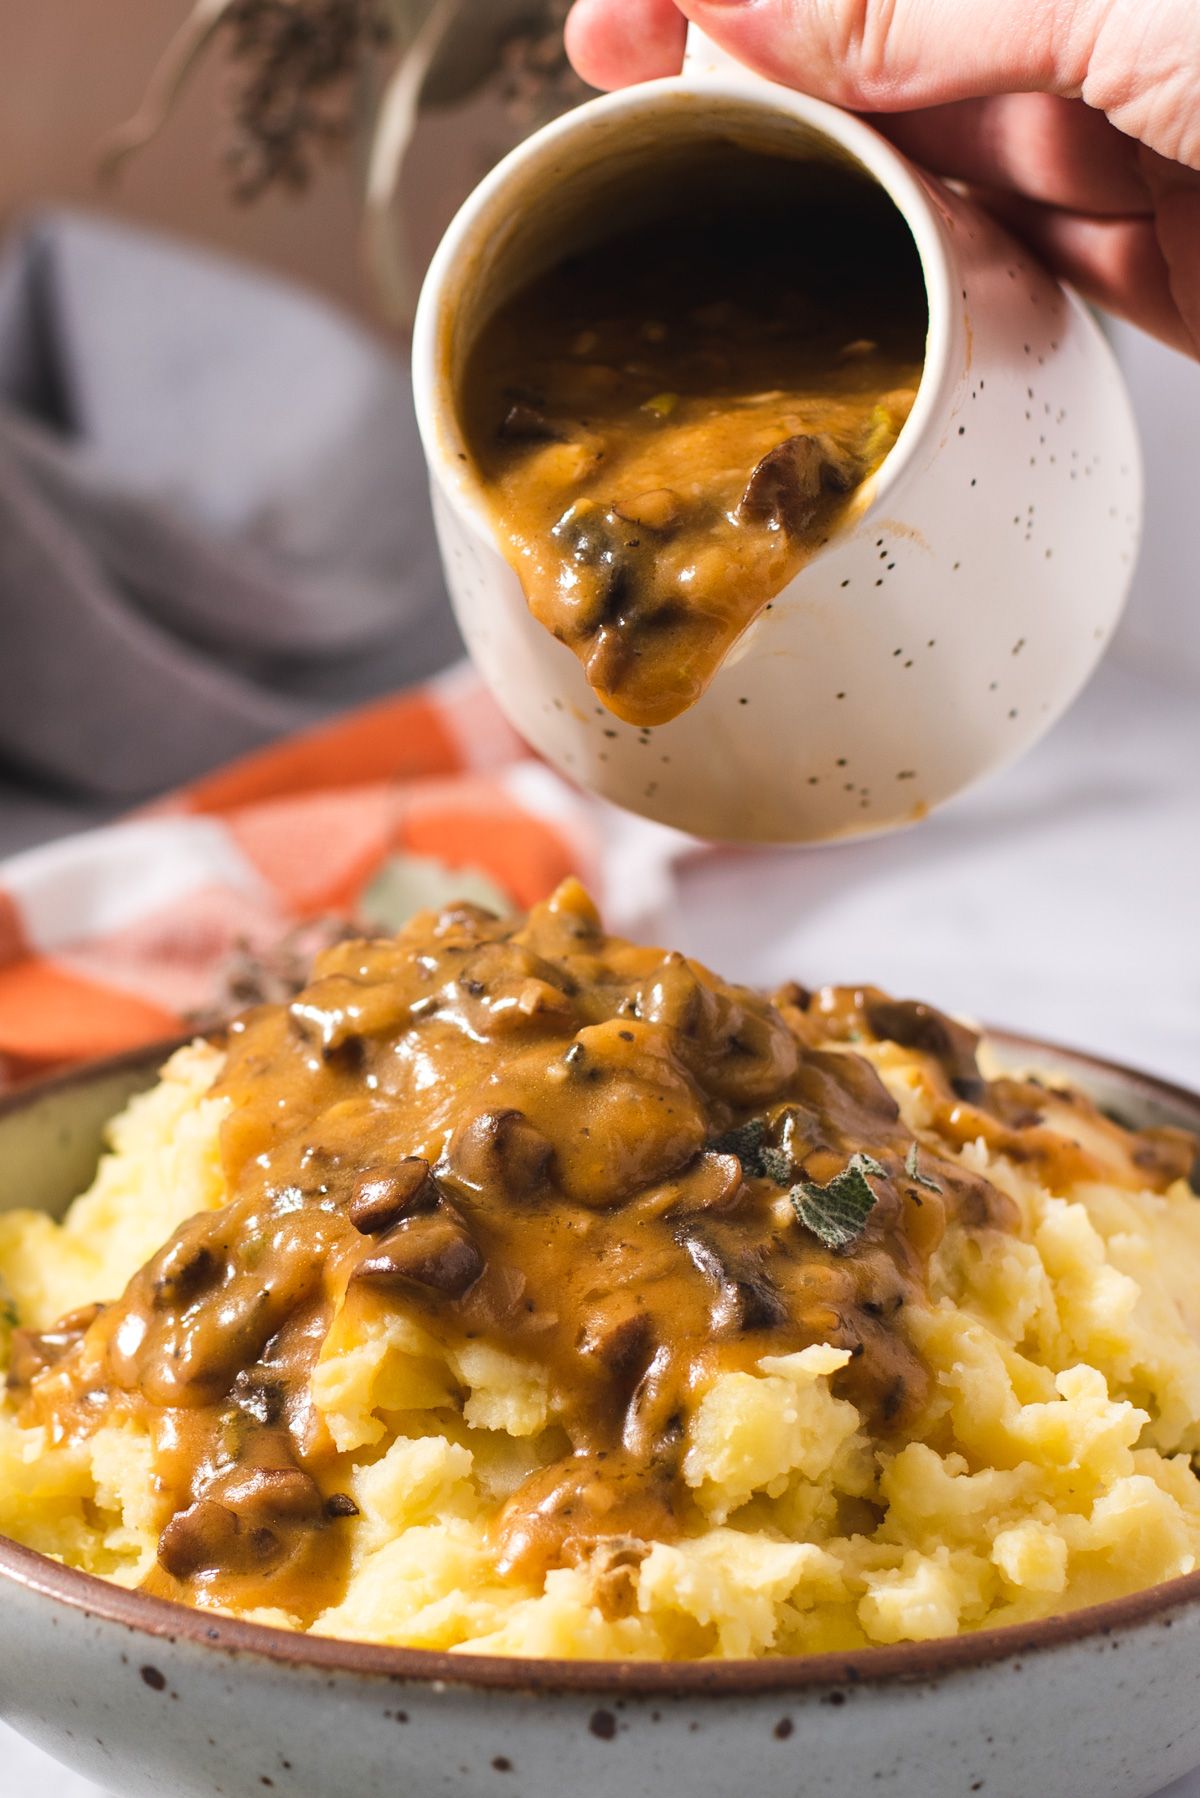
column 612, row 559
column 382, row 1196
column 712, row 1183
column 33, row 1351
column 341, row 1011
column 210, row 1538
column 745, row 1299
column 246, row 1523
column 270, row 1264
column 793, row 996
column 187, row 1268
column 527, row 423
column 608, row 661
column 260, row 1395
column 828, row 1078
column 733, row 1042
column 787, row 486
column 951, row 1044
column 1167, row 1154
column 613, row 1567
column 434, row 1251
column 463, row 914
column 505, row 987
column 273, row 1494
column 502, row 1150
column 618, row 1336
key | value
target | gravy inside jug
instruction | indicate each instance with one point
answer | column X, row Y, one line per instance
column 672, row 420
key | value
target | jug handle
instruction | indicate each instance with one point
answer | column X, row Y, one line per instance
column 703, row 57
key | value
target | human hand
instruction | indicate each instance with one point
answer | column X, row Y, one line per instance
column 1075, row 121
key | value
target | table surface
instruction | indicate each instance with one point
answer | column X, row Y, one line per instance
column 1112, row 962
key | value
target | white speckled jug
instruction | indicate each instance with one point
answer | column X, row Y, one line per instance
column 979, row 577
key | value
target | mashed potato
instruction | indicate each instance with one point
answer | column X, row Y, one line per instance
column 1048, row 1468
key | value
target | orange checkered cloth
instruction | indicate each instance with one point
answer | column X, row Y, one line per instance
column 126, row 934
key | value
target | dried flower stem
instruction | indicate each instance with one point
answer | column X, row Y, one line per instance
column 166, row 83
column 299, row 89
column 294, row 69
column 394, row 127
column 297, row 63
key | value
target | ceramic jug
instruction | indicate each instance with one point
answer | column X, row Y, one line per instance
column 980, row 572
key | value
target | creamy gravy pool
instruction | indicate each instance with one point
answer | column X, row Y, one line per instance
column 584, row 1152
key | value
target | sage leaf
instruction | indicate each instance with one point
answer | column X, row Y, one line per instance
column 837, row 1213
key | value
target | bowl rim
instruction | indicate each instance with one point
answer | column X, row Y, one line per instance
column 900, row 1664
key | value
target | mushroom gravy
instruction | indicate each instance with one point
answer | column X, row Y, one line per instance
column 580, row 1151
column 670, row 423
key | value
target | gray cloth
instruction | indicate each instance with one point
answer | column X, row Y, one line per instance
column 214, row 522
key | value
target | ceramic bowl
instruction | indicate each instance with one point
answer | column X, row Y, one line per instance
column 149, row 1698
column 982, row 572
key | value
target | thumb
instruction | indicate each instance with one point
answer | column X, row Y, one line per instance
column 880, row 55
column 1138, row 63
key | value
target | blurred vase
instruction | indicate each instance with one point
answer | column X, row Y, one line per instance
column 489, row 73
column 1162, row 622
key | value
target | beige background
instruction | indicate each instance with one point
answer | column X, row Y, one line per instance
column 71, row 69
column 1120, row 771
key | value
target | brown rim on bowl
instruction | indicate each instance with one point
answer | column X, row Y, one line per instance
column 901, row 1664
column 148, row 1058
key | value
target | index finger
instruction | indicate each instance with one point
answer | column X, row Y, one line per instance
column 615, row 42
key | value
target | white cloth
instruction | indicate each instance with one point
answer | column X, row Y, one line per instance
column 213, row 513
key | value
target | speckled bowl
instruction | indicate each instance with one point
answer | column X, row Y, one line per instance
column 149, row 1698
column 972, row 592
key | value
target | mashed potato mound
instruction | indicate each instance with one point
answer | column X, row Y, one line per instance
column 1050, row 1467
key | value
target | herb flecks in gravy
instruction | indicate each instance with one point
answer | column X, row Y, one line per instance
column 670, row 424
column 588, row 1154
